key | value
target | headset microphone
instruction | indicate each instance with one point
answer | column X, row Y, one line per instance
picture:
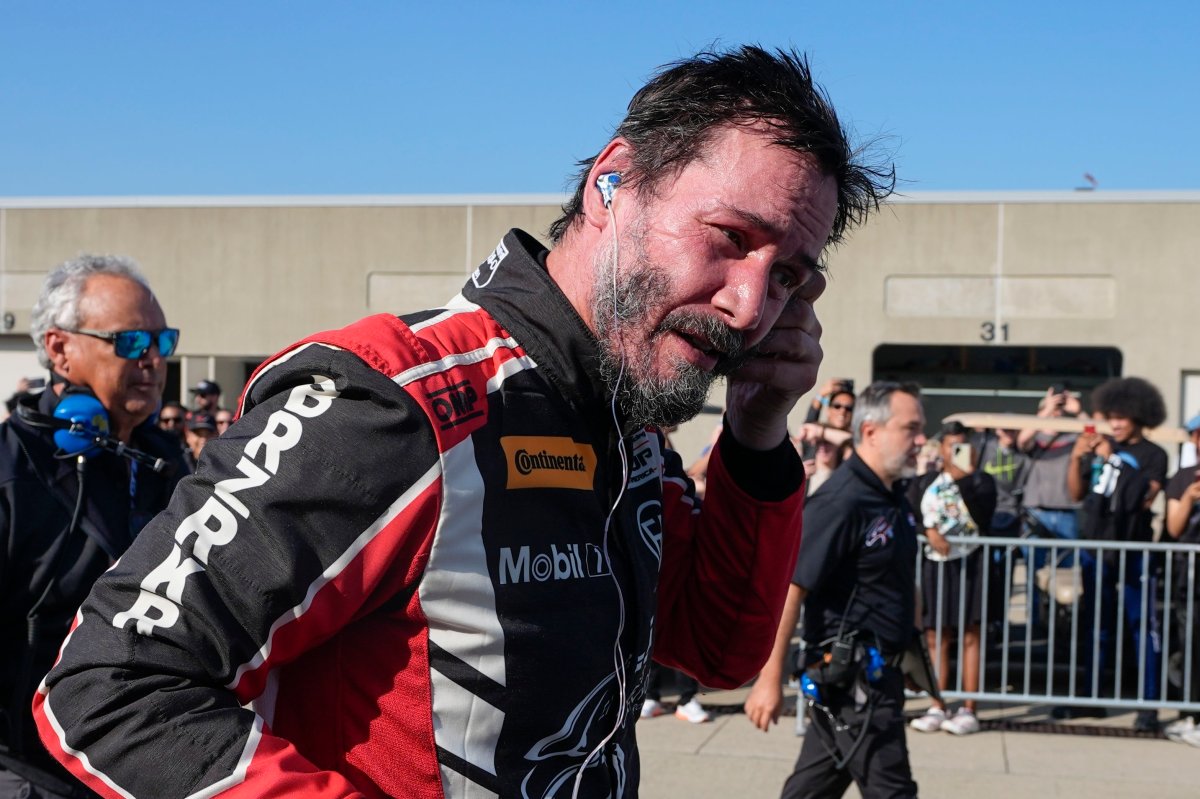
column 608, row 183
column 81, row 429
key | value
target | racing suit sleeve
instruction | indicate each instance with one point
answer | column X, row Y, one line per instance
column 310, row 512
column 726, row 564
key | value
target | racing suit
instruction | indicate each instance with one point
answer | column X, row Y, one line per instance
column 400, row 573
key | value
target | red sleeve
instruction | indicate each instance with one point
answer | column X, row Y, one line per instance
column 269, row 550
column 725, row 571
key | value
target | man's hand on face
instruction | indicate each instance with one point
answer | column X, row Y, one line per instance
column 767, row 387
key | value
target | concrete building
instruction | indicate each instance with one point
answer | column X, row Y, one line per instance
column 984, row 298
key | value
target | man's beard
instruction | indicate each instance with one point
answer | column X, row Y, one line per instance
column 627, row 354
column 902, row 466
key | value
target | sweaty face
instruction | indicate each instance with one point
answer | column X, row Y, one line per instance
column 705, row 266
column 624, row 303
column 130, row 389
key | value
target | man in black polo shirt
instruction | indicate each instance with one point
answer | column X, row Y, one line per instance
column 855, row 573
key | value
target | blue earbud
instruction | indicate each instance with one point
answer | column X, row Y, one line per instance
column 87, row 412
column 608, row 183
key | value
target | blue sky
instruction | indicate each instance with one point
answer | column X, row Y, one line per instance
column 228, row 98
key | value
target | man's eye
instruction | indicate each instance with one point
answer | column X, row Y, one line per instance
column 784, row 278
column 734, row 237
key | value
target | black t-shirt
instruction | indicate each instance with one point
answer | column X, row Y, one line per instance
column 858, row 533
column 1175, row 488
column 1117, row 511
column 1151, row 459
column 1191, row 533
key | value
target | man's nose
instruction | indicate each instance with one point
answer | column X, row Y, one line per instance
column 152, row 358
column 742, row 297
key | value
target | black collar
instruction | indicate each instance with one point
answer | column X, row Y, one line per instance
column 867, row 476
column 514, row 286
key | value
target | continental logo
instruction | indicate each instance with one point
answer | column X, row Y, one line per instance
column 548, row 462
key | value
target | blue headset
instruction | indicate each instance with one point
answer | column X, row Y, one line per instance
column 87, row 418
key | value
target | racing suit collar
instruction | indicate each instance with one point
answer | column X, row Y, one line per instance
column 515, row 288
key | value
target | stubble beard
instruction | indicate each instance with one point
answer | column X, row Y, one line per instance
column 621, row 312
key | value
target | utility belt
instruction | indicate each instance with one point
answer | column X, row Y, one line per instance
column 837, row 663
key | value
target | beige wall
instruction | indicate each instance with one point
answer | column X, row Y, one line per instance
column 244, row 278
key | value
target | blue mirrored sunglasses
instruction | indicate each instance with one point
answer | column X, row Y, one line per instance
column 134, row 344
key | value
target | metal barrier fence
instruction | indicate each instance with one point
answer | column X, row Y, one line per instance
column 1061, row 619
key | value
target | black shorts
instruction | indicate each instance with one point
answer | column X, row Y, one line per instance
column 942, row 585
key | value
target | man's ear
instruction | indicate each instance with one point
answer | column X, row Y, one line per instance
column 869, row 429
column 614, row 158
column 55, row 342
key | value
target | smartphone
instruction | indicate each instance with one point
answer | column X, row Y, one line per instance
column 961, row 456
column 36, row 382
column 849, row 386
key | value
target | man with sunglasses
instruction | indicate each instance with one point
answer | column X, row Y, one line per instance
column 64, row 520
column 172, row 418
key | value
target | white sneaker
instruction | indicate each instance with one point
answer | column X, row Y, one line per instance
column 692, row 712
column 963, row 723
column 1179, row 728
column 652, row 708
column 1192, row 737
column 932, row 721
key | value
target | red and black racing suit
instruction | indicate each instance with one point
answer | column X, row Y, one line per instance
column 391, row 576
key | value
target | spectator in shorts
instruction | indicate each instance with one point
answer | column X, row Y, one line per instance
column 959, row 500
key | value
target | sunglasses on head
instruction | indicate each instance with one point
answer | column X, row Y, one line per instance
column 134, row 344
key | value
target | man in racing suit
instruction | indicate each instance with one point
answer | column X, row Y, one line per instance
column 436, row 553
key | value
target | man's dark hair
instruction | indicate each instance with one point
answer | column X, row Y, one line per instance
column 672, row 118
column 1131, row 398
column 955, row 428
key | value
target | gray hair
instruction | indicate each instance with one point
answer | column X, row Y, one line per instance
column 874, row 404
column 58, row 303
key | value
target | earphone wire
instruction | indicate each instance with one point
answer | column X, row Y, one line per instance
column 618, row 656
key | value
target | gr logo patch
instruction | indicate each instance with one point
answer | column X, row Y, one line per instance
column 548, row 462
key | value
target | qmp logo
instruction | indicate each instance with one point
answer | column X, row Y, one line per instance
column 487, row 270
column 565, row 562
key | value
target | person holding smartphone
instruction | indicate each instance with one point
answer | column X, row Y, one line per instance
column 958, row 501
column 1117, row 479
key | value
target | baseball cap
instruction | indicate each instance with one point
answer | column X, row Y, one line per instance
column 205, row 387
column 199, row 420
column 1193, row 424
